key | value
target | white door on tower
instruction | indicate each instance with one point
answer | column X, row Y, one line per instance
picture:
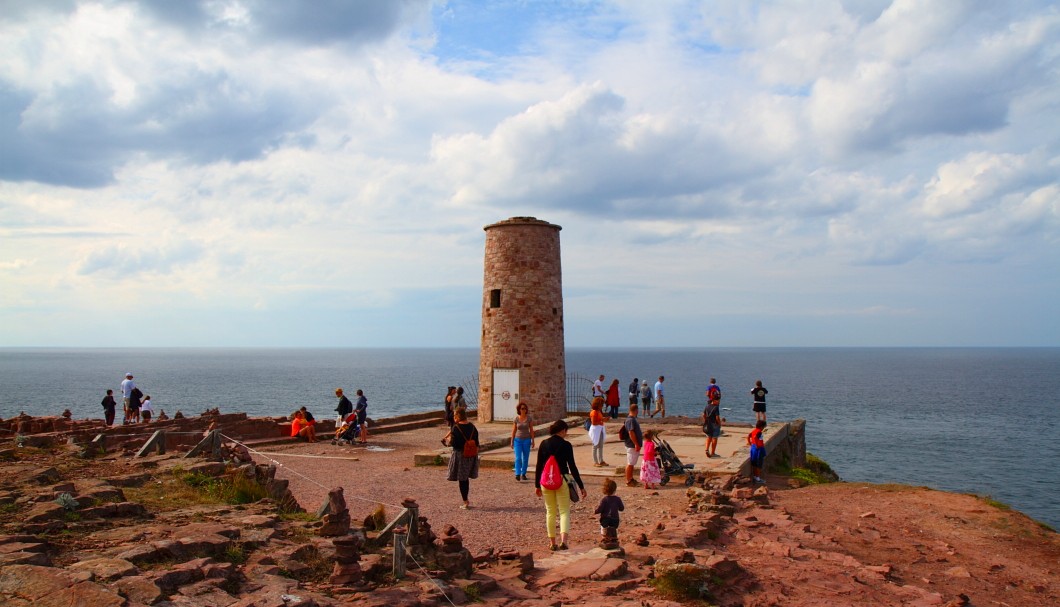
column 505, row 393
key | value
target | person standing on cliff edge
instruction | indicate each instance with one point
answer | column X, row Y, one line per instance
column 108, row 407
column 362, row 415
column 127, row 386
column 345, row 407
column 759, row 393
column 633, row 440
column 660, row 400
column 612, row 398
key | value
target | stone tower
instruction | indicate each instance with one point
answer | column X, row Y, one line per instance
column 522, row 356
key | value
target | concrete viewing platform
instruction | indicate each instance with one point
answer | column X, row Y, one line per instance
column 784, row 441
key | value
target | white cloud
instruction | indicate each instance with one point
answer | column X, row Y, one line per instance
column 179, row 158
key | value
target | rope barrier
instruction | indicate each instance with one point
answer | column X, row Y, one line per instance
column 349, row 459
column 297, row 473
column 408, row 552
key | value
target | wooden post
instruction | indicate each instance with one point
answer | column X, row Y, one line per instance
column 414, row 522
column 211, row 441
column 387, row 531
column 157, row 441
column 399, row 556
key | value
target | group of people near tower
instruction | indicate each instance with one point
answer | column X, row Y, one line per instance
column 638, row 391
column 556, row 477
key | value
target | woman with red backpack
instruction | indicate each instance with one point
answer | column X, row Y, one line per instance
column 554, row 477
column 463, row 462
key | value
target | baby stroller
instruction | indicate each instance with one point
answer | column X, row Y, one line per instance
column 348, row 432
column 669, row 463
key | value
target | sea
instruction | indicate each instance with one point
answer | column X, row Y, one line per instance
column 970, row 420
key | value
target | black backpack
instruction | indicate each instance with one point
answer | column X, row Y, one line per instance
column 623, row 432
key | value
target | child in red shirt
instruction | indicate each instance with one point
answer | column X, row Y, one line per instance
column 758, row 450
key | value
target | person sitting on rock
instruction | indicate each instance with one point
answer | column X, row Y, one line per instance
column 301, row 427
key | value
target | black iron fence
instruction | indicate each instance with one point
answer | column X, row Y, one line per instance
column 579, row 393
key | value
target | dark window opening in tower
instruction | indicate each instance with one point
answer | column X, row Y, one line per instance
column 495, row 298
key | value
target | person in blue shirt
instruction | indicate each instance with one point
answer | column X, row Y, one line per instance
column 361, row 409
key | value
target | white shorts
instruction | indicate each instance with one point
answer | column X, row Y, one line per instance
column 632, row 456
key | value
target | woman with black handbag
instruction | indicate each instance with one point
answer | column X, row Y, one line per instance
column 553, row 477
column 463, row 462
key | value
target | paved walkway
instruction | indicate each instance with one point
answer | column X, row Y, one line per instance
column 687, row 441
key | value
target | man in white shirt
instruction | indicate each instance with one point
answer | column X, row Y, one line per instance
column 660, row 401
column 127, row 386
column 598, row 387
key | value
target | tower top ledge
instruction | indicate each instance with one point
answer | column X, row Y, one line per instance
column 513, row 221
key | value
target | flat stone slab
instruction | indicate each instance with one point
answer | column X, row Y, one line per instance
column 106, row 569
column 22, row 547
column 593, row 564
column 258, row 520
column 24, row 558
column 51, row 587
column 141, row 590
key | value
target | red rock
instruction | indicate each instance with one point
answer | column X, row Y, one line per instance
column 611, row 569
column 106, row 569
column 31, row 581
column 24, row 558
column 82, row 593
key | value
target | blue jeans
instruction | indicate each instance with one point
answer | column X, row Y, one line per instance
column 522, row 455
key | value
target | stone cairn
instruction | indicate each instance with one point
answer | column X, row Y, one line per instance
column 454, row 558
column 347, row 568
column 337, row 519
column 610, row 539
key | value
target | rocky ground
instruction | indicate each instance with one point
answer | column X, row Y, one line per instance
column 142, row 532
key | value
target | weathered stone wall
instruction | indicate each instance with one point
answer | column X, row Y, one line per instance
column 525, row 332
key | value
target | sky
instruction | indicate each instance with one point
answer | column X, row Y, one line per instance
column 726, row 173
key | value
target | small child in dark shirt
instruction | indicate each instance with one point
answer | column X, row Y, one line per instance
column 610, row 506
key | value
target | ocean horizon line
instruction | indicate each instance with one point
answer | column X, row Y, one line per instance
column 579, row 348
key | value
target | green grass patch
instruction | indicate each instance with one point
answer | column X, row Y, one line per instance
column 690, row 585
column 181, row 489
column 474, row 593
column 815, row 472
column 305, row 517
column 226, row 489
column 235, row 554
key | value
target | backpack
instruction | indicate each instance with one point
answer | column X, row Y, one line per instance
column 470, row 446
column 715, row 393
column 551, row 477
column 623, row 432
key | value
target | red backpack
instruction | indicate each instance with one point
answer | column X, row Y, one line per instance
column 551, row 477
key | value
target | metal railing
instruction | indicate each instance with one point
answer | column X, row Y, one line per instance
column 579, row 393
